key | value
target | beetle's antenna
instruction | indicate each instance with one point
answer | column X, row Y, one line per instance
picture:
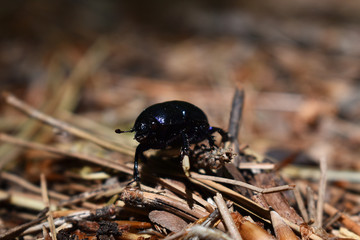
column 119, row 131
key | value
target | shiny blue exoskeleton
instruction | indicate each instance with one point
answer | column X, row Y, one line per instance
column 171, row 124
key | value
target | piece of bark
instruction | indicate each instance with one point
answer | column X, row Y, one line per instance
column 277, row 200
column 167, row 220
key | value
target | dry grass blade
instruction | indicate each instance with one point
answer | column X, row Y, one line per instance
column 27, row 185
column 46, row 200
column 24, row 200
column 301, row 204
column 32, row 112
column 100, row 161
column 250, row 165
column 31, row 187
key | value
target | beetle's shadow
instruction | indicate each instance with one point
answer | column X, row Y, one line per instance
column 168, row 164
column 162, row 163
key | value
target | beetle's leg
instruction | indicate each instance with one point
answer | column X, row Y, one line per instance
column 211, row 140
column 224, row 135
column 139, row 153
column 185, row 151
column 186, row 145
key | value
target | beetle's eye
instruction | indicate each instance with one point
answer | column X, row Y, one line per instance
column 153, row 125
column 143, row 126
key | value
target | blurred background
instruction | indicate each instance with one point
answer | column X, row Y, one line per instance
column 97, row 64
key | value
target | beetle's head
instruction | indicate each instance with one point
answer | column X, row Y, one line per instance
column 145, row 131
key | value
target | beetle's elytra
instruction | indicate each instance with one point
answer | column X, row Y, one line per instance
column 174, row 124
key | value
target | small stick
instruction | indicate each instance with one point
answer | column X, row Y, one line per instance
column 177, row 206
column 46, row 201
column 322, row 188
column 311, row 204
column 32, row 112
column 177, row 188
column 234, row 126
column 243, row 184
column 238, row 199
column 332, row 219
column 212, row 218
column 300, row 203
column 235, row 115
column 228, row 220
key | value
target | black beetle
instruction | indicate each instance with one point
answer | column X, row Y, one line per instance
column 171, row 124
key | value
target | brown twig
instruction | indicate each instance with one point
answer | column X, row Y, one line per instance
column 301, row 205
column 322, row 189
column 235, row 115
column 228, row 220
column 243, row 184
